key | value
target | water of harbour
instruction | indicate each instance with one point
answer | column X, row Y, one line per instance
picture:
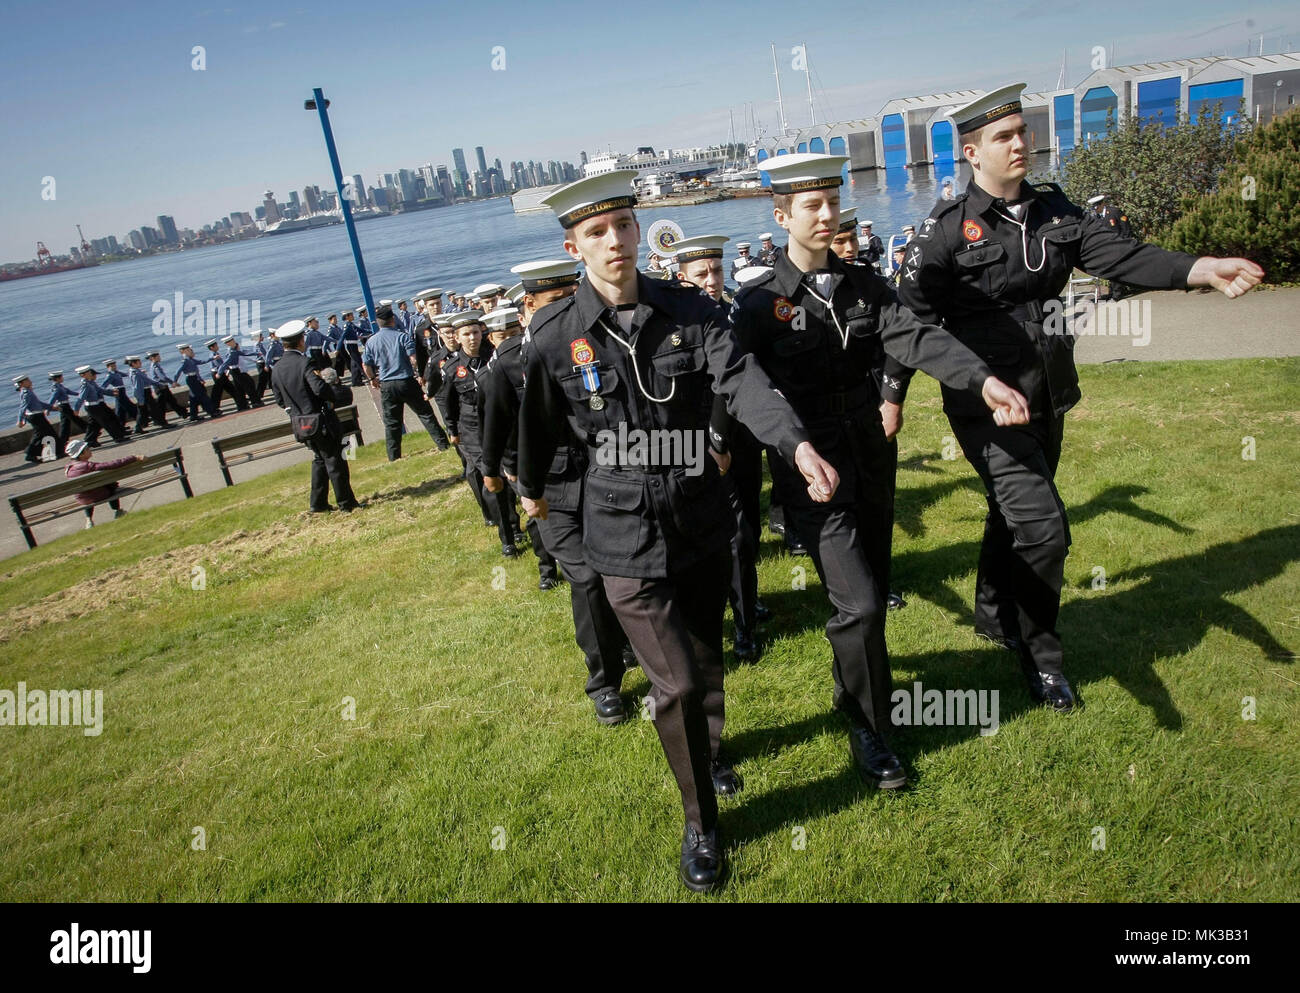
column 64, row 320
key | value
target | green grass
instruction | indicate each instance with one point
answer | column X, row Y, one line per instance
column 223, row 706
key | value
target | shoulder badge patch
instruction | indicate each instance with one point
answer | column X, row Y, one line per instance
column 581, row 352
column 783, row 309
column 926, row 227
column 971, row 231
column 461, row 372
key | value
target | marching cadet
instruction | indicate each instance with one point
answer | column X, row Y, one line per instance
column 433, row 380
column 389, row 363
column 635, row 354
column 350, row 348
column 141, row 385
column 870, row 248
column 61, row 400
column 192, row 373
column 162, row 383
column 985, row 263
column 233, row 366
column 459, row 403
column 596, row 629
column 403, row 319
column 260, row 349
column 766, row 250
column 364, row 328
column 299, row 389
column 742, row 260
column 91, row 397
column 315, row 339
column 334, row 345
column 500, row 386
column 32, row 410
column 115, row 383
column 846, row 246
column 220, row 382
column 817, row 326
column 699, row 264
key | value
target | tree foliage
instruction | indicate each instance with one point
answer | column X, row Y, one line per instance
column 1150, row 169
column 1255, row 212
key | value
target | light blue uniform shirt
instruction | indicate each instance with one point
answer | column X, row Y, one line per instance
column 389, row 351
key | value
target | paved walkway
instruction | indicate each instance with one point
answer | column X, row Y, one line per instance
column 1180, row 325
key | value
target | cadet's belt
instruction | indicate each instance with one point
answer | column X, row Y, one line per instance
column 1031, row 311
column 845, row 402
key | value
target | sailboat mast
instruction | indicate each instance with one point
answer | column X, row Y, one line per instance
column 807, row 70
column 780, row 104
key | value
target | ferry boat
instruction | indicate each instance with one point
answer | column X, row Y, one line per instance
column 687, row 163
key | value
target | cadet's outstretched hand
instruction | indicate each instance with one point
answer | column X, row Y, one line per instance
column 1009, row 406
column 1231, row 277
column 493, row 484
column 822, row 478
column 536, row 509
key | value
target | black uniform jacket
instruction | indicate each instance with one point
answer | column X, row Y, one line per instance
column 643, row 520
column 826, row 361
column 987, row 279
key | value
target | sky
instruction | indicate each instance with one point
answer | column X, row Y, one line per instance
column 105, row 98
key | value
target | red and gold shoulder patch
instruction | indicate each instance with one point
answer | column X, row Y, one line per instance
column 582, row 353
column 783, row 309
column 461, row 372
column 972, row 231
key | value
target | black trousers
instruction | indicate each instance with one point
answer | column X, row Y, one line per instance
column 742, row 592
column 199, row 398
column 595, row 627
column 329, row 467
column 125, row 409
column 148, row 410
column 849, row 545
column 169, row 402
column 499, row 508
column 675, row 626
column 358, row 372
column 1026, row 533
column 243, row 384
column 100, row 418
column 263, row 382
column 394, row 396
column 222, row 385
column 478, row 491
column 545, row 560
column 40, row 431
column 67, row 422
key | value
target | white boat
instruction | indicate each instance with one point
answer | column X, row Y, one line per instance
column 303, row 223
column 685, row 162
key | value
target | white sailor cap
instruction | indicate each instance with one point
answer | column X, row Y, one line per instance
column 741, row 244
column 751, row 272
column 466, row 317
column 182, row 346
column 58, row 374
column 515, row 294
column 501, row 319
column 591, row 196
column 992, row 106
column 802, row 173
column 257, row 335
column 489, row 289
column 401, row 302
column 909, row 227
column 385, row 303
column 1093, row 201
column 19, row 379
column 848, row 219
column 361, row 308
column 432, row 294
column 212, row 343
column 109, row 362
column 290, row 329
column 75, row 448
column 83, row 368
column 546, row 274
column 149, row 355
column 864, row 224
column 129, row 359
column 703, row 246
column 231, row 337
column 442, row 320
column 765, row 236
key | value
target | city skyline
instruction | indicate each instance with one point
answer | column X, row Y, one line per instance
column 163, row 136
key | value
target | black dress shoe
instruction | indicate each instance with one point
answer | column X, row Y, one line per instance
column 725, row 780
column 745, row 648
column 609, row 706
column 875, row 762
column 761, row 613
column 776, row 527
column 630, row 661
column 489, row 523
column 703, row 863
column 347, row 508
column 509, row 552
column 519, row 537
column 895, row 601
column 321, row 510
column 547, row 583
column 795, row 546
column 1057, row 692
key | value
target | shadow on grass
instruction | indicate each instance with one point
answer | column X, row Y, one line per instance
column 426, row 488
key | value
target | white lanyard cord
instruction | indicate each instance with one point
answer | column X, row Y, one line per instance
column 1024, row 241
column 844, row 335
column 631, row 350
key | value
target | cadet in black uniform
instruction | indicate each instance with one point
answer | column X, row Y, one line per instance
column 624, row 354
column 984, row 264
column 595, row 627
column 458, row 401
column 819, row 326
column 500, row 386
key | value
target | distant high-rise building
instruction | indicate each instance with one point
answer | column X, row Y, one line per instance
column 271, row 210
column 458, row 159
column 137, row 240
column 444, row 184
column 168, row 228
column 482, row 162
column 358, row 191
column 583, row 158
column 426, row 173
column 312, row 195
column 152, row 239
column 380, row 197
column 406, row 188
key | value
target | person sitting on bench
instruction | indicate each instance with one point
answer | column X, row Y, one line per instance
column 79, row 465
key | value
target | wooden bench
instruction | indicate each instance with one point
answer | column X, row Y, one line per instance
column 57, row 499
column 276, row 439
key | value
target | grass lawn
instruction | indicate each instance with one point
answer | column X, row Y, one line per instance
column 474, row 768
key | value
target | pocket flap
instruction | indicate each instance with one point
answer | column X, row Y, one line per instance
column 678, row 361
column 979, row 257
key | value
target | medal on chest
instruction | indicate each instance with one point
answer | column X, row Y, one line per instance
column 584, row 360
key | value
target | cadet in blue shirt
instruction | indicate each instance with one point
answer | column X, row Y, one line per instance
column 389, row 360
column 338, row 358
column 114, row 383
column 92, row 398
column 263, row 380
column 162, row 383
column 350, row 342
column 31, row 410
column 220, row 381
column 192, row 373
column 142, row 388
column 61, row 400
column 315, row 342
column 232, row 371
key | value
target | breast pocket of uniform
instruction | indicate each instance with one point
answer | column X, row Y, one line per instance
column 614, row 524
column 601, row 407
column 984, row 267
column 676, row 371
column 1062, row 242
